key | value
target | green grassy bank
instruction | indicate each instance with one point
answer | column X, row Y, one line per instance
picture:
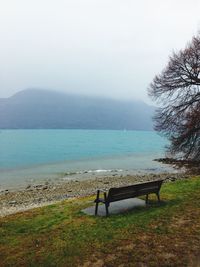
column 60, row 235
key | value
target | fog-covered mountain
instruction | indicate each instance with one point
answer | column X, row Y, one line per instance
column 34, row 108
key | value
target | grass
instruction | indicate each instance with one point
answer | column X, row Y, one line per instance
column 61, row 235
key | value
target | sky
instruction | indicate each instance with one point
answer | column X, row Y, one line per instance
column 109, row 48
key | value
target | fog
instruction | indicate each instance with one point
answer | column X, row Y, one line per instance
column 96, row 47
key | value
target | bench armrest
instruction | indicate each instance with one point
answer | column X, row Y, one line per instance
column 98, row 199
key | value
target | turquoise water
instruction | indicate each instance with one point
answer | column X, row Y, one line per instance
column 36, row 154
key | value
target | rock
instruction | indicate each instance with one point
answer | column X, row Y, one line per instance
column 41, row 187
column 12, row 202
column 39, row 199
column 38, row 185
column 28, row 186
column 6, row 191
column 44, row 187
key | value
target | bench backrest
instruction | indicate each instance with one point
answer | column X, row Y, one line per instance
column 131, row 191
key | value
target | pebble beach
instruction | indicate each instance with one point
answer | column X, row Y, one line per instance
column 38, row 195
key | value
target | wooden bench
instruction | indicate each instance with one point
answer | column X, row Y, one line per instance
column 125, row 192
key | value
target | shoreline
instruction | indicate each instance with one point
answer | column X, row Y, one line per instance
column 48, row 193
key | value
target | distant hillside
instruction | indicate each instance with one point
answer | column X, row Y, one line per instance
column 34, row 108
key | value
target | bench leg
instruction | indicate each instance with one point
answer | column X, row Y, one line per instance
column 158, row 196
column 107, row 213
column 147, row 197
column 96, row 208
column 97, row 202
column 106, row 203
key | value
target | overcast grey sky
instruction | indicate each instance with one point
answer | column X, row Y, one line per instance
column 102, row 47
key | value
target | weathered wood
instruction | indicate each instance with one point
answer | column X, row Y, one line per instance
column 125, row 192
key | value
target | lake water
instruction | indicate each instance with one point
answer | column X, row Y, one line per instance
column 33, row 155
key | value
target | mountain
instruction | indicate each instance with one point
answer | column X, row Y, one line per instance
column 35, row 108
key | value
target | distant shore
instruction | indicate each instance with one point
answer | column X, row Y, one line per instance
column 51, row 192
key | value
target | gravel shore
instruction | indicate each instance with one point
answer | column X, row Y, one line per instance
column 48, row 193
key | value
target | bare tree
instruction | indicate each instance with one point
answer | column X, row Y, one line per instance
column 177, row 90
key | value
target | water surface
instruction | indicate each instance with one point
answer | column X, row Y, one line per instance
column 34, row 155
